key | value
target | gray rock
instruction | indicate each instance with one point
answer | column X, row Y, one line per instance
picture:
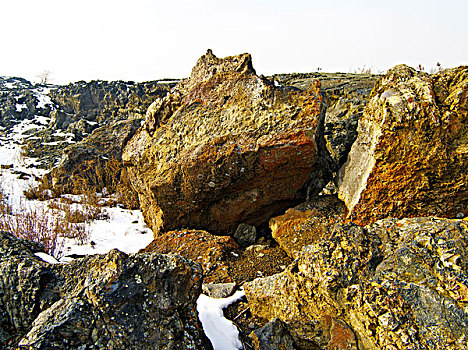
column 111, row 301
column 272, row 336
column 218, row 290
column 245, row 235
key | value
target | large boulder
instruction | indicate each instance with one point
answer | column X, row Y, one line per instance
column 396, row 284
column 411, row 154
column 110, row 301
column 226, row 147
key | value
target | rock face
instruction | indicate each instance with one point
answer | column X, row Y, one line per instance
column 110, row 301
column 398, row 284
column 272, row 336
column 23, row 277
column 233, row 149
column 411, row 155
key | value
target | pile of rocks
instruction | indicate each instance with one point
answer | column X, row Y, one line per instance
column 344, row 194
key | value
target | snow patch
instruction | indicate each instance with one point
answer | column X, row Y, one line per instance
column 47, row 258
column 222, row 332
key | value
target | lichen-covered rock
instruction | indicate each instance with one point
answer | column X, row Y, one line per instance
column 233, row 149
column 116, row 301
column 344, row 97
column 411, row 154
column 110, row 301
column 397, row 284
column 23, row 281
column 86, row 161
column 209, row 250
column 308, row 222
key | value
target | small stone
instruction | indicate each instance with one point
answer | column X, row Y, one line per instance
column 218, row 290
column 245, row 235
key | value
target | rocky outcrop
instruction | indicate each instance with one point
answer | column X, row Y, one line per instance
column 233, row 149
column 344, row 97
column 23, row 277
column 99, row 100
column 19, row 100
column 399, row 284
column 412, row 150
column 88, row 159
column 110, row 301
column 307, row 223
column 74, row 111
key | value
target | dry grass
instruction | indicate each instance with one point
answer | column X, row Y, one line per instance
column 107, row 176
column 44, row 226
column 47, row 226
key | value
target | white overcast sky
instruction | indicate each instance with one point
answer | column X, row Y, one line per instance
column 150, row 39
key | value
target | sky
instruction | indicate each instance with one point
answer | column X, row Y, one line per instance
column 143, row 40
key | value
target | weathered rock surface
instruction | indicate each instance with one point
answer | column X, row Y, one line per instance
column 396, row 284
column 272, row 336
column 233, row 149
column 411, row 155
column 245, row 235
column 23, row 278
column 87, row 159
column 307, row 223
column 344, row 97
column 209, row 250
column 111, row 301
column 218, row 290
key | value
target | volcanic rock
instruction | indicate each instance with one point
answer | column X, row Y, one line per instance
column 399, row 284
column 87, row 159
column 219, row 290
column 23, row 277
column 110, row 301
column 233, row 149
column 411, row 154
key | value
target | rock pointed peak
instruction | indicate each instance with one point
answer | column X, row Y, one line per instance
column 209, row 65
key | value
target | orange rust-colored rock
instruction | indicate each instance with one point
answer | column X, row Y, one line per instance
column 226, row 147
column 411, row 154
column 209, row 250
column 307, row 223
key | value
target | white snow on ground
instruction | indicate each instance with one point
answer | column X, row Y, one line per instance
column 47, row 258
column 20, row 106
column 42, row 95
column 123, row 229
column 222, row 332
